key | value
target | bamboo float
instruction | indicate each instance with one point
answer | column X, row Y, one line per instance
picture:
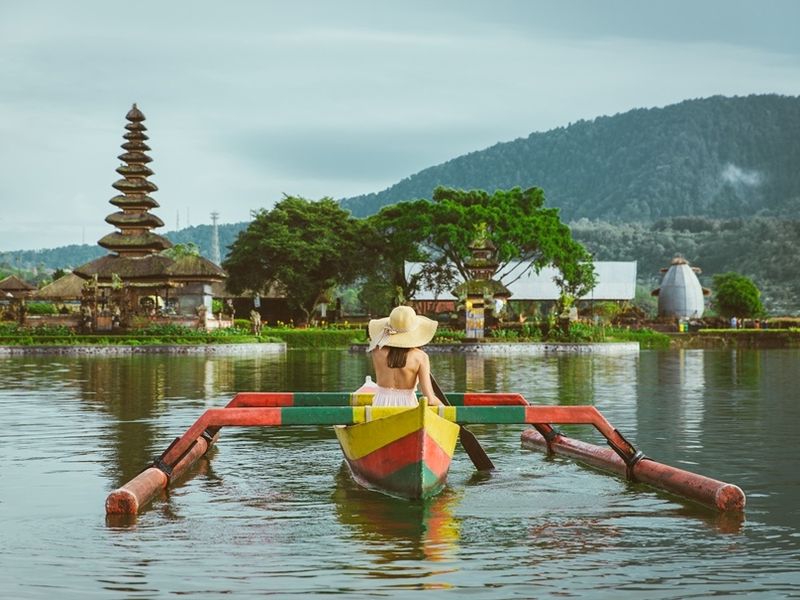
column 139, row 491
column 709, row 492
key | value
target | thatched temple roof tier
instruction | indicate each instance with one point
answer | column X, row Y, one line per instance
column 134, row 170
column 134, row 201
column 135, row 146
column 135, row 126
column 136, row 136
column 134, row 186
column 142, row 219
column 134, row 157
column 193, row 267
column 481, row 287
column 141, row 241
column 134, row 114
column 153, row 268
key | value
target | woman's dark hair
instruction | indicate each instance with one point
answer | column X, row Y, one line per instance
column 396, row 359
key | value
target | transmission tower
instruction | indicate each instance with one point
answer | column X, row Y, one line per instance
column 215, row 257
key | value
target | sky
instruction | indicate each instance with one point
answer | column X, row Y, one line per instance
column 249, row 100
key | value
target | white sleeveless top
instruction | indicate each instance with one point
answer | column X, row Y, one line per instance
column 394, row 397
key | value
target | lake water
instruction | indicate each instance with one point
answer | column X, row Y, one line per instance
column 272, row 511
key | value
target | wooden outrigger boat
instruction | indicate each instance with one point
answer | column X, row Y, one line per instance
column 407, row 452
column 403, row 453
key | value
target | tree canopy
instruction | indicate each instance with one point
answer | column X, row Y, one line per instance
column 526, row 234
column 306, row 247
column 737, row 296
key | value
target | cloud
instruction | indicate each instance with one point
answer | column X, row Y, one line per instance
column 249, row 100
column 738, row 176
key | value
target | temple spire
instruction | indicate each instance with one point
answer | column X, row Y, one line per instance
column 134, row 220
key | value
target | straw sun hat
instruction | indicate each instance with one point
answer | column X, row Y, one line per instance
column 403, row 328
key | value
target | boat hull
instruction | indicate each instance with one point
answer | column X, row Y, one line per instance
column 403, row 453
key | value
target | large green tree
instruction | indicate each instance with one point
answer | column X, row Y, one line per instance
column 305, row 247
column 527, row 234
column 737, row 296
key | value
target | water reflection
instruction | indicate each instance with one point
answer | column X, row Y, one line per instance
column 475, row 371
column 395, row 530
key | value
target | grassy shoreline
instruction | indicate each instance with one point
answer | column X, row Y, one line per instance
column 331, row 337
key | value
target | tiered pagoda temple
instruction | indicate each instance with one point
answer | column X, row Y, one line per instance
column 136, row 278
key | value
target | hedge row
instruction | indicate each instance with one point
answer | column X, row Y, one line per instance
column 128, row 340
column 317, row 338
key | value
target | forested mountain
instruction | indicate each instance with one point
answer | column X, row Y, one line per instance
column 69, row 257
column 716, row 157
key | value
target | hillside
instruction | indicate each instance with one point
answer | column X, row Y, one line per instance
column 716, row 157
column 74, row 255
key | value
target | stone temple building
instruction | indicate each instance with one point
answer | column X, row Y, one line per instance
column 680, row 296
column 137, row 282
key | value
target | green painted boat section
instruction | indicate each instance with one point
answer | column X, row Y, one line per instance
column 466, row 415
column 319, row 415
column 455, row 399
column 321, row 399
column 345, row 415
column 412, row 481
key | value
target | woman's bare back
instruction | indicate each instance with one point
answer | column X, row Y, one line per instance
column 417, row 369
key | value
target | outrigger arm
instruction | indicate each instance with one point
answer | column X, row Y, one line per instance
column 267, row 409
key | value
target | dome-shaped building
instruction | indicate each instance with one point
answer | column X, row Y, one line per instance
column 681, row 295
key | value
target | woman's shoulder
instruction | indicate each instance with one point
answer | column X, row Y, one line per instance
column 418, row 354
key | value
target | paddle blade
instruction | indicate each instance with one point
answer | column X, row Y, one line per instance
column 475, row 451
column 469, row 442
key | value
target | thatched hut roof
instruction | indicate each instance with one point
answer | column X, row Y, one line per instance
column 67, row 287
column 16, row 287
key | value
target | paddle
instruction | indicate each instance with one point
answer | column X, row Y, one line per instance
column 470, row 443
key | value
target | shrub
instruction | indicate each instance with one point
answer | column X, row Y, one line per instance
column 505, row 334
column 737, row 296
column 317, row 338
column 9, row 328
column 446, row 335
column 167, row 330
column 646, row 337
column 43, row 330
column 41, row 308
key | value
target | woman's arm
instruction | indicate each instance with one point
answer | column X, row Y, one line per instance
column 424, row 377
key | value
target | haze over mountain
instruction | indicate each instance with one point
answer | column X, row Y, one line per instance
column 716, row 157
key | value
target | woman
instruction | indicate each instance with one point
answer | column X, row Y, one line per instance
column 399, row 363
